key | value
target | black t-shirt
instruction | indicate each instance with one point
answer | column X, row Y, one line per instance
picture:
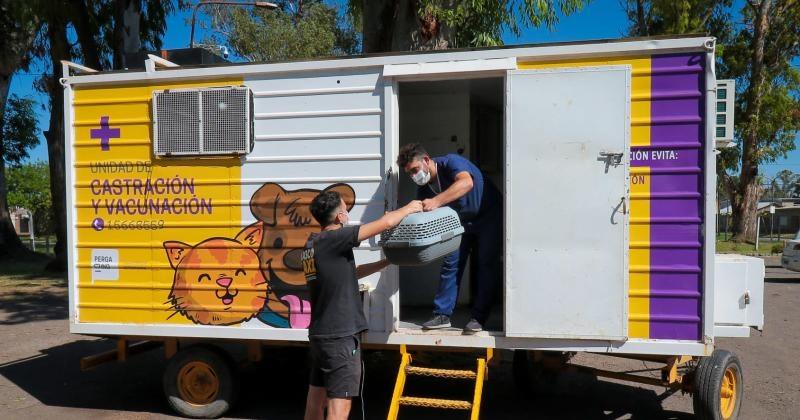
column 330, row 270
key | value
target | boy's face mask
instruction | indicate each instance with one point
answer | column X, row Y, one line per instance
column 344, row 216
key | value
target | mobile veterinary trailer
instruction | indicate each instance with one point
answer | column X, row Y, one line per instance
column 188, row 193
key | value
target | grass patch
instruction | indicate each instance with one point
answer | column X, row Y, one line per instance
column 29, row 273
column 765, row 247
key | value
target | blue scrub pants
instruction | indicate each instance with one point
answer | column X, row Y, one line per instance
column 485, row 236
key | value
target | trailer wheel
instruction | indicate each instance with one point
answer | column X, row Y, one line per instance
column 200, row 382
column 718, row 387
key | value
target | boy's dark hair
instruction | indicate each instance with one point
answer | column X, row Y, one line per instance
column 408, row 153
column 324, row 206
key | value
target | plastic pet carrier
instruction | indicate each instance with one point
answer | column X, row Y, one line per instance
column 423, row 237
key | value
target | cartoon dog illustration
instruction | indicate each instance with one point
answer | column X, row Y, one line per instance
column 218, row 281
column 287, row 224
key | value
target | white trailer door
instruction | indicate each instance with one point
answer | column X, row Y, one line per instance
column 566, row 202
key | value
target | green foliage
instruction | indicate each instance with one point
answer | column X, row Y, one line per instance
column 482, row 22
column 19, row 23
column 19, row 130
column 294, row 31
column 776, row 248
column 767, row 105
column 778, row 119
column 661, row 17
column 784, row 185
column 29, row 187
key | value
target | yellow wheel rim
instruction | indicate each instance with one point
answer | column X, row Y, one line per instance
column 727, row 393
column 198, row 383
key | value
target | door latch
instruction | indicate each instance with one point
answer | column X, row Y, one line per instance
column 746, row 297
column 613, row 158
column 386, row 190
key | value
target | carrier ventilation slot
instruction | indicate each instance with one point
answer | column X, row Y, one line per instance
column 208, row 121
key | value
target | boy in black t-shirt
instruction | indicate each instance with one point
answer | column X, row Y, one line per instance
column 337, row 317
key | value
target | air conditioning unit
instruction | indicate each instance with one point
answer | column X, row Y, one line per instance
column 204, row 121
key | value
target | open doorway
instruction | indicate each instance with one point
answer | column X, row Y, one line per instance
column 465, row 117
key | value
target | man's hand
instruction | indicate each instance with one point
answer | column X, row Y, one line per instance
column 415, row 206
column 430, row 204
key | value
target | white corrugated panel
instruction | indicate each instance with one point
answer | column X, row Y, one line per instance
column 316, row 129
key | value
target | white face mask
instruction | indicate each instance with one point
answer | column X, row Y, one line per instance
column 346, row 218
column 421, row 177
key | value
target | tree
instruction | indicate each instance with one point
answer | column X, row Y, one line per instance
column 106, row 31
column 29, row 188
column 656, row 17
column 768, row 108
column 758, row 54
column 19, row 24
column 297, row 29
column 784, row 185
column 18, row 135
column 403, row 25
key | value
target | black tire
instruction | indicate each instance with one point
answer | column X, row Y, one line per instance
column 710, row 375
column 521, row 371
column 203, row 366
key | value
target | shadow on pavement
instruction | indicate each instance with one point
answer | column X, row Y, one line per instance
column 276, row 388
column 792, row 280
column 54, row 378
column 22, row 306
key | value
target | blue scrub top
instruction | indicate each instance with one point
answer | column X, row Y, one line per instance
column 481, row 199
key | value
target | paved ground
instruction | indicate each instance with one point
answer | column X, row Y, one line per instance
column 39, row 375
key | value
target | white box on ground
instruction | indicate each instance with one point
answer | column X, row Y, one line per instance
column 739, row 295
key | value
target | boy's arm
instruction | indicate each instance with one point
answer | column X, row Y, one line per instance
column 388, row 221
column 365, row 270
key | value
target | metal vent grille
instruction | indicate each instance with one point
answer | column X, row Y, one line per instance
column 208, row 121
column 178, row 122
column 225, row 120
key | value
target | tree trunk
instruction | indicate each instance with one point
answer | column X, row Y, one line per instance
column 9, row 240
column 57, row 34
column 745, row 213
column 126, row 32
column 395, row 25
column 86, row 29
column 642, row 29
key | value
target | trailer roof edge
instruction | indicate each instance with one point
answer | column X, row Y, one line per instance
column 532, row 52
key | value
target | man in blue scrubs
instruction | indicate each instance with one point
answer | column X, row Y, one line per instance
column 454, row 181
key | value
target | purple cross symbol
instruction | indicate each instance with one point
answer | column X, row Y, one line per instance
column 104, row 133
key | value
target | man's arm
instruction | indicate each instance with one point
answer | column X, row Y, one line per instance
column 462, row 185
column 388, row 221
column 365, row 270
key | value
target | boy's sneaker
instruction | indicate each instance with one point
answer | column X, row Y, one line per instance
column 438, row 321
column 473, row 326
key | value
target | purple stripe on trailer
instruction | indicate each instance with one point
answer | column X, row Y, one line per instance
column 675, row 154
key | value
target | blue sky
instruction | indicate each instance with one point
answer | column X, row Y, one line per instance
column 600, row 19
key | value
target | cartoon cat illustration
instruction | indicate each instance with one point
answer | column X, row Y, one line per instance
column 218, row 281
column 287, row 224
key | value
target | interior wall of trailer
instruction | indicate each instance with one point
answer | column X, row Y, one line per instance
column 438, row 118
column 464, row 117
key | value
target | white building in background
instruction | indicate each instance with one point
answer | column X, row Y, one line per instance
column 22, row 220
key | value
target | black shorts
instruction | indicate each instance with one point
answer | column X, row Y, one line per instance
column 336, row 365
